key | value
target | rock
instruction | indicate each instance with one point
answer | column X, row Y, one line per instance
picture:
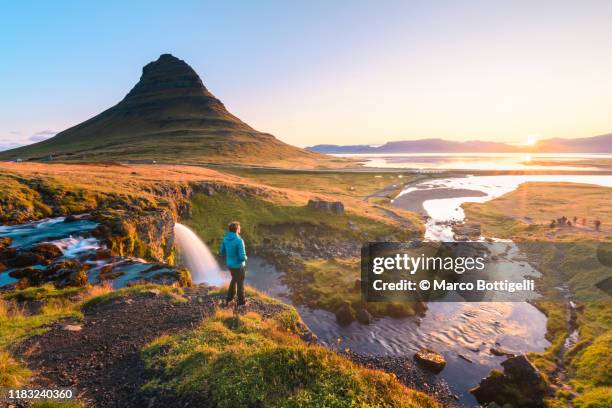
column 25, row 258
column 103, row 254
column 47, row 250
column 357, row 285
column 520, row 385
column 7, row 253
column 363, row 316
column 461, row 356
column 430, row 359
column 5, row 242
column 501, row 352
column 72, row 327
column 2, row 267
column 329, row 206
column 345, row 314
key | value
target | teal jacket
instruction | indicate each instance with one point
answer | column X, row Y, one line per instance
column 232, row 248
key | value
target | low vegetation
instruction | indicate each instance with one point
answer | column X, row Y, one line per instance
column 567, row 256
column 246, row 360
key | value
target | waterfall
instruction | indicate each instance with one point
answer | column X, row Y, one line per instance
column 198, row 258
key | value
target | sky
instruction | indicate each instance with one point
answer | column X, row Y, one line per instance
column 311, row 72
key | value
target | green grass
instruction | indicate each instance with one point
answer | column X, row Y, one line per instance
column 262, row 219
column 339, row 183
column 43, row 292
column 331, row 283
column 232, row 361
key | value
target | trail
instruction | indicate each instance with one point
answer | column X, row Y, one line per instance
column 102, row 361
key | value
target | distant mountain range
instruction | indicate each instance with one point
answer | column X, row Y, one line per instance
column 169, row 116
column 595, row 144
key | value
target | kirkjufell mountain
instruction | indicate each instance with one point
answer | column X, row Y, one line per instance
column 169, row 116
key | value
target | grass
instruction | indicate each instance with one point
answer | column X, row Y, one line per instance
column 262, row 219
column 239, row 361
column 331, row 283
column 171, row 293
column 17, row 323
column 341, row 184
column 565, row 256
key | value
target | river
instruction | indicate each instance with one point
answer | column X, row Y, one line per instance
column 457, row 330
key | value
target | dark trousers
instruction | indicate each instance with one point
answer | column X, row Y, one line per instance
column 237, row 280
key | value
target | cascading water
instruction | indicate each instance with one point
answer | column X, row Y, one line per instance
column 198, row 258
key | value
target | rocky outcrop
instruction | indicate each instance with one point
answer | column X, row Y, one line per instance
column 148, row 234
column 62, row 273
column 330, row 206
column 430, row 359
column 520, row 385
column 345, row 314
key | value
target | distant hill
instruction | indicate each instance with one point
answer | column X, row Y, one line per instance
column 169, row 116
column 596, row 144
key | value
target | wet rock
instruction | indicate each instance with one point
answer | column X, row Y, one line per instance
column 5, row 242
column 430, row 359
column 330, row 206
column 103, row 254
column 520, row 385
column 466, row 231
column 7, row 253
column 77, row 217
column 461, row 356
column 47, row 250
column 498, row 351
column 25, row 258
column 363, row 316
column 345, row 314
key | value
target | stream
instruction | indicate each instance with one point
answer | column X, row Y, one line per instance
column 461, row 331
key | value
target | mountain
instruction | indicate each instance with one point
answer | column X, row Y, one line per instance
column 595, row 144
column 169, row 116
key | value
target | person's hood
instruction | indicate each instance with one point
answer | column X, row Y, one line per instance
column 230, row 236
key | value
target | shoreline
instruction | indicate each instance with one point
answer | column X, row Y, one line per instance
column 413, row 201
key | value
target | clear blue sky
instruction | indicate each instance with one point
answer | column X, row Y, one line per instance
column 321, row 72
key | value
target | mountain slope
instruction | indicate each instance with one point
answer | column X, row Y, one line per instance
column 595, row 144
column 168, row 116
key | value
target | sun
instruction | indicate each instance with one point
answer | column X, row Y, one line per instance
column 531, row 140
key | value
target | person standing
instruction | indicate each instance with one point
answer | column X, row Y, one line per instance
column 232, row 248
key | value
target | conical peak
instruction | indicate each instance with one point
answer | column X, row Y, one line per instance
column 168, row 74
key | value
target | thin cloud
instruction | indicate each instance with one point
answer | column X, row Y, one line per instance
column 8, row 145
column 42, row 135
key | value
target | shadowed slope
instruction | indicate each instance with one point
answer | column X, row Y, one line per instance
column 168, row 116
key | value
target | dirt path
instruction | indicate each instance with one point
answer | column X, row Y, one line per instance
column 102, row 361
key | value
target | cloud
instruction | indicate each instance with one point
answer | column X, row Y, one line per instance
column 42, row 135
column 8, row 145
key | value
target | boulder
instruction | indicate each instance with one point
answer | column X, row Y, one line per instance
column 77, row 217
column 25, row 258
column 5, row 242
column 345, row 314
column 363, row 316
column 47, row 250
column 7, row 253
column 430, row 359
column 330, row 206
column 520, row 385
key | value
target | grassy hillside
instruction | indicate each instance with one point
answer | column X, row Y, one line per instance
column 225, row 360
column 568, row 258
